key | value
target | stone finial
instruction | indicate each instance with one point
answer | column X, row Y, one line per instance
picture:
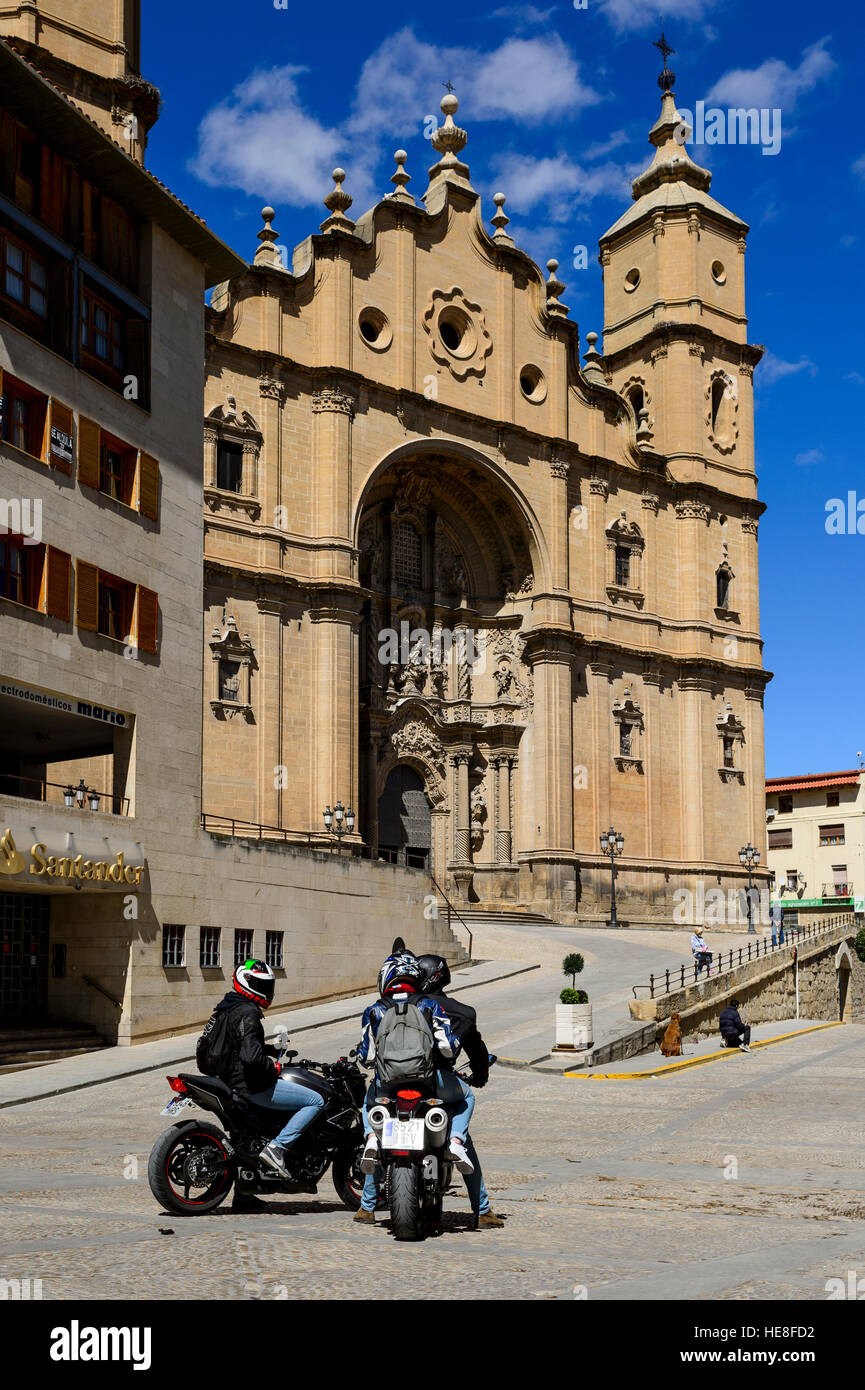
column 554, row 288
column 448, row 140
column 592, row 369
column 500, row 221
column 644, row 432
column 267, row 254
column 337, row 202
column 400, row 179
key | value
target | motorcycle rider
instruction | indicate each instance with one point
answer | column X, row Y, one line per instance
column 252, row 1070
column 464, row 1022
column 401, row 978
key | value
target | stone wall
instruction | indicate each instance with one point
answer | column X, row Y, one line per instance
column 766, row 989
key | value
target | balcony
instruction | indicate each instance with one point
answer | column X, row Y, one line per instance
column 837, row 890
column 78, row 797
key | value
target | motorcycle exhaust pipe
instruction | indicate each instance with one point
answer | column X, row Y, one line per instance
column 377, row 1117
column 436, row 1120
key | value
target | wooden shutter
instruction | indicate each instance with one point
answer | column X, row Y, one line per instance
column 56, row 584
column 148, row 486
column 51, row 190
column 86, row 596
column 59, row 418
column 88, row 451
column 147, row 619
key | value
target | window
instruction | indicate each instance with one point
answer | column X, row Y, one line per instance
column 407, row 557
column 173, row 947
column 22, row 416
column 209, row 948
column 729, row 750
column 785, row 805
column 103, row 332
column 832, row 798
column 117, row 469
column 831, row 835
column 229, row 466
column 839, row 879
column 792, row 880
column 25, row 277
column 116, row 603
column 273, row 949
column 17, row 569
column 109, row 605
column 623, row 566
column 242, row 945
column 625, row 740
column 781, row 839
column 229, row 681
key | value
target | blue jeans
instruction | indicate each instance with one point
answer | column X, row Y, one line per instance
column 288, row 1095
column 475, row 1186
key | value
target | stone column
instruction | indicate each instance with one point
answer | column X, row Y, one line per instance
column 462, row 810
column 333, row 410
column 335, row 618
column 549, row 652
column 371, row 826
column 693, row 692
column 559, row 538
column 267, row 485
column 270, row 710
column 503, row 809
column 210, row 439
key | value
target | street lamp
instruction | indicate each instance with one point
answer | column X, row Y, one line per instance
column 338, row 822
column 612, row 843
column 80, row 793
column 749, row 857
column 93, row 799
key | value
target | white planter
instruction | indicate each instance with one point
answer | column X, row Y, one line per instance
column 574, row 1026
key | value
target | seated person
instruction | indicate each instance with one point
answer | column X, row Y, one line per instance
column 734, row 1032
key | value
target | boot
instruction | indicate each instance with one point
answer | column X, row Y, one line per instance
column 365, row 1218
column 488, row 1220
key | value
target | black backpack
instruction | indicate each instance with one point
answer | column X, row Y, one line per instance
column 214, row 1050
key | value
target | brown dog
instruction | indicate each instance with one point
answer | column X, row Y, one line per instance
column 671, row 1045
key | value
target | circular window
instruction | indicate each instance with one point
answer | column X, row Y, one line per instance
column 532, row 384
column 457, row 332
column 374, row 329
column 719, row 274
column 632, row 280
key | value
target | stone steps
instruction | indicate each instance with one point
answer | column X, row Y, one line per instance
column 32, row 1045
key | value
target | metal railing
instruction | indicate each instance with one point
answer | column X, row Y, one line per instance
column 11, row 783
column 452, row 912
column 94, row 984
column 678, row 977
column 257, row 830
column 837, row 890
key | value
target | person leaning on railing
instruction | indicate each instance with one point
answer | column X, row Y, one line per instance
column 702, row 954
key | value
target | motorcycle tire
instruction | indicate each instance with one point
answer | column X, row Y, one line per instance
column 166, row 1168
column 406, row 1213
column 348, row 1180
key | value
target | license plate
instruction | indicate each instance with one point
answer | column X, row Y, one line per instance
column 178, row 1103
column 403, row 1134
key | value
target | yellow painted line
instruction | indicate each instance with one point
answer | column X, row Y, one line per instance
column 693, row 1061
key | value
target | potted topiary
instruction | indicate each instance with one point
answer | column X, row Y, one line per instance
column 573, row 1012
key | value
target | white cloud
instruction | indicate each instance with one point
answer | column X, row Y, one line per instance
column 774, row 83
column 262, row 139
column 810, row 456
column 774, row 368
column 856, row 377
column 859, row 167
column 636, row 14
column 612, row 142
column 557, row 183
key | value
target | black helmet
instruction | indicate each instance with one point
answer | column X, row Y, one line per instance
column 255, row 980
column 436, row 973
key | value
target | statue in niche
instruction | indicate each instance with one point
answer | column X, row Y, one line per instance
column 504, row 679
column 478, row 814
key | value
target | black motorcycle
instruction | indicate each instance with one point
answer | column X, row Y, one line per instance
column 193, row 1166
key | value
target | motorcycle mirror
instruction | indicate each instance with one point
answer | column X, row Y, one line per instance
column 280, row 1037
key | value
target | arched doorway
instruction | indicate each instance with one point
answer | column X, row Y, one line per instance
column 404, row 819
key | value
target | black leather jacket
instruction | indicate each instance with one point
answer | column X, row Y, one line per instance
column 251, row 1067
column 464, row 1023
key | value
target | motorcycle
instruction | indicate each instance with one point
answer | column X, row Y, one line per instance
column 413, row 1130
column 194, row 1165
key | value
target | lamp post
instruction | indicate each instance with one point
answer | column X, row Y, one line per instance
column 749, row 857
column 612, row 843
column 338, row 822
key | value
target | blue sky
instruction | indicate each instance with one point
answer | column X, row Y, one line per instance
column 261, row 103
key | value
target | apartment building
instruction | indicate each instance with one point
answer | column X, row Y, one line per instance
column 816, row 841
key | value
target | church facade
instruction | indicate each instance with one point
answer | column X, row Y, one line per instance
column 494, row 594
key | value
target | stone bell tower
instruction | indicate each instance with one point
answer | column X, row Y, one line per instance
column 91, row 50
column 675, row 332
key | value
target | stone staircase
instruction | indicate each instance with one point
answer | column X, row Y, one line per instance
column 502, row 917
column 32, row 1045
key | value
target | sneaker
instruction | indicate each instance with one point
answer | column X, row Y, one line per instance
column 274, row 1157
column 457, row 1152
column 366, row 1218
column 743, row 1047
column 369, row 1159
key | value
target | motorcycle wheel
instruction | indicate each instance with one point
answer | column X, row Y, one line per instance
column 406, row 1215
column 172, row 1163
column 348, row 1179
